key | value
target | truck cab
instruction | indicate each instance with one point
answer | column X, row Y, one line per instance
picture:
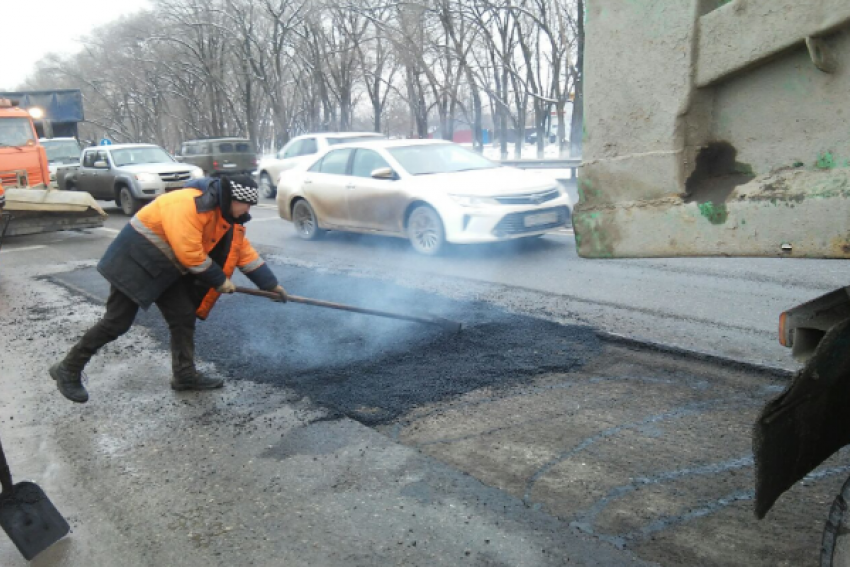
column 23, row 161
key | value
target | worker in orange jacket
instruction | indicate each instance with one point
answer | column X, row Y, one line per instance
column 179, row 252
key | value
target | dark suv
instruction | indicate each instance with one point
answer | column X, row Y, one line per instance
column 217, row 156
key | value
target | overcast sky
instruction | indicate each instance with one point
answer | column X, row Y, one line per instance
column 34, row 28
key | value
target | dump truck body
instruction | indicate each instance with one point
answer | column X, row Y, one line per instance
column 720, row 128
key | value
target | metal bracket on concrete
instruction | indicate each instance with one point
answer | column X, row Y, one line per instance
column 822, row 55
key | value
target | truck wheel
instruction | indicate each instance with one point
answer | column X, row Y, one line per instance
column 425, row 230
column 267, row 188
column 70, row 186
column 129, row 204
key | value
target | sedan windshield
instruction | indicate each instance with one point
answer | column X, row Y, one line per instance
column 62, row 152
column 438, row 158
column 135, row 156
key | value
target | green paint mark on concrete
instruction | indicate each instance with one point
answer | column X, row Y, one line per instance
column 592, row 239
column 798, row 164
column 743, row 168
column 825, row 161
column 582, row 185
column 743, row 222
column 716, row 214
column 798, row 85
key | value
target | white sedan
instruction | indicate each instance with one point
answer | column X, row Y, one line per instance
column 431, row 192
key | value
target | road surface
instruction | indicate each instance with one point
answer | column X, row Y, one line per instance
column 531, row 438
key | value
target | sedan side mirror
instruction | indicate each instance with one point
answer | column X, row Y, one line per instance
column 101, row 165
column 383, row 173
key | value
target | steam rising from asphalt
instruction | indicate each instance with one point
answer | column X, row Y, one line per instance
column 375, row 369
column 372, row 369
column 304, row 337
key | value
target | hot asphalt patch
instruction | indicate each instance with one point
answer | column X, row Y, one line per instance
column 370, row 368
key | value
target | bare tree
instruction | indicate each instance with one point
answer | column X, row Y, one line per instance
column 269, row 69
column 577, row 123
column 377, row 63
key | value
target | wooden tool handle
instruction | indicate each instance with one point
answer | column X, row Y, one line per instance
column 445, row 323
column 5, row 473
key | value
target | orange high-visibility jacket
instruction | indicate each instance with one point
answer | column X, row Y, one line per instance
column 176, row 234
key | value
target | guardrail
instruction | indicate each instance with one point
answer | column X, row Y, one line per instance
column 570, row 163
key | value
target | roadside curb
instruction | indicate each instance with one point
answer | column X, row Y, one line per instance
column 694, row 354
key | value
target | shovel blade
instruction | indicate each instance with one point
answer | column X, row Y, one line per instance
column 30, row 519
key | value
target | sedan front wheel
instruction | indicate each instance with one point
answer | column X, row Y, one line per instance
column 305, row 220
column 425, row 230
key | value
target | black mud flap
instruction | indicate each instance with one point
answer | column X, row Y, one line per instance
column 5, row 221
column 807, row 423
column 835, row 546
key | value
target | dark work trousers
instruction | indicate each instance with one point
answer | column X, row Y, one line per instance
column 177, row 304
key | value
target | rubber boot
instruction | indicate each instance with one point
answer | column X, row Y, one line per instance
column 69, row 382
column 196, row 381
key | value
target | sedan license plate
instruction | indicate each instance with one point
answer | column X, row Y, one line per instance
column 540, row 219
column 230, row 165
column 175, row 185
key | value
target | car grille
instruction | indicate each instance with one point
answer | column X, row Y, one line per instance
column 175, row 176
column 514, row 222
column 529, row 199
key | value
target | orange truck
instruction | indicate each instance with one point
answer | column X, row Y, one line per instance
column 31, row 205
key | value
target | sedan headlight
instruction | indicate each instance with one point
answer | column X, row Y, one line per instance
column 147, row 177
column 473, row 200
column 197, row 173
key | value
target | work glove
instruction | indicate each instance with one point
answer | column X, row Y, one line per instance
column 226, row 287
column 281, row 292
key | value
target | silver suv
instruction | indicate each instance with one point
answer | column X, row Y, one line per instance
column 130, row 174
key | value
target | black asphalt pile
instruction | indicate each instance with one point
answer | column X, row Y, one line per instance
column 369, row 368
